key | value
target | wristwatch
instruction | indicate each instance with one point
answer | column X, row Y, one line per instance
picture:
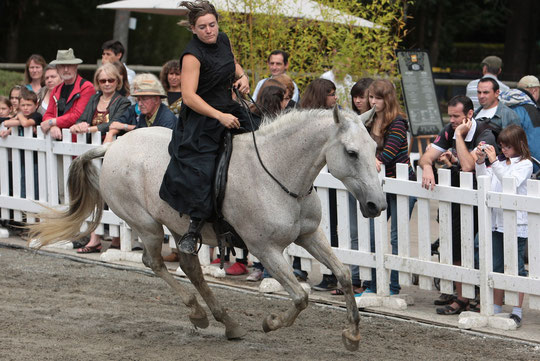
column 51, row 122
column 125, row 127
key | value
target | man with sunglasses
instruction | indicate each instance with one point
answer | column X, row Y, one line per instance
column 69, row 98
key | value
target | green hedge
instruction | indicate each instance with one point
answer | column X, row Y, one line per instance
column 8, row 79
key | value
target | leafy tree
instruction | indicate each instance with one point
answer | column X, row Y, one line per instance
column 314, row 46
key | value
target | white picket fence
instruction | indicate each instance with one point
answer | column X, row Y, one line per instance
column 53, row 159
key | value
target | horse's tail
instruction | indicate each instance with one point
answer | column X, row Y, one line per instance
column 84, row 200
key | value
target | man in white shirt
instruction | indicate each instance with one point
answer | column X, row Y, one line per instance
column 500, row 115
column 278, row 63
column 491, row 68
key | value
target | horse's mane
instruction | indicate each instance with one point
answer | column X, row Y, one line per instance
column 285, row 120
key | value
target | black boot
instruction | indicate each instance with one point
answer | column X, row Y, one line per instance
column 188, row 242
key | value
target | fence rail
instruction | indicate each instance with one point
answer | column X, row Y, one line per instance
column 37, row 166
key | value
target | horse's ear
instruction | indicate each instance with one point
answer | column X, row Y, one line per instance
column 336, row 114
column 367, row 117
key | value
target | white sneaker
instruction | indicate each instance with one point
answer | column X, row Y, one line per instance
column 255, row 276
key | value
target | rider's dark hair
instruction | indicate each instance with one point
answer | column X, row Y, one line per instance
column 197, row 9
column 284, row 54
column 464, row 100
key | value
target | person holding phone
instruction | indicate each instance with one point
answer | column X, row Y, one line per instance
column 459, row 138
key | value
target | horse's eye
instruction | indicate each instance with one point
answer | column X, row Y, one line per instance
column 352, row 154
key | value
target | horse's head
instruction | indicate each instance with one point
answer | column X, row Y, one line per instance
column 350, row 157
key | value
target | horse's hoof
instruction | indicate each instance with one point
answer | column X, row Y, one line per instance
column 350, row 340
column 234, row 333
column 271, row 323
column 200, row 322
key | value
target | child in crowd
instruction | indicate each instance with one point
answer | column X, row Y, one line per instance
column 5, row 109
column 14, row 95
column 27, row 115
column 514, row 162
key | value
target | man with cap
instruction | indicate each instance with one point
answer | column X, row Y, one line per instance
column 524, row 102
column 148, row 92
column 69, row 98
column 491, row 68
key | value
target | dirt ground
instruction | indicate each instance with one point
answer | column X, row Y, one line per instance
column 54, row 308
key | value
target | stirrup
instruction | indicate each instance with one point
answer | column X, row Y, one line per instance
column 188, row 243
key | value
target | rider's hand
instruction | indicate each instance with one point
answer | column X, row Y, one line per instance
column 229, row 121
column 242, row 84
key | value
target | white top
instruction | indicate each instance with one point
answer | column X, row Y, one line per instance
column 295, row 96
column 487, row 113
column 472, row 89
column 130, row 73
column 520, row 171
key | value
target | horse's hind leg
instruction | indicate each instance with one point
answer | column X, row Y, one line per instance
column 192, row 268
column 318, row 246
column 274, row 261
column 152, row 236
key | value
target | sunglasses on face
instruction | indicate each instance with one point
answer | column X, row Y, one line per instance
column 103, row 81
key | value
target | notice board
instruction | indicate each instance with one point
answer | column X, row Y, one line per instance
column 419, row 92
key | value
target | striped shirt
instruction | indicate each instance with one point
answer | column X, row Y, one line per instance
column 395, row 148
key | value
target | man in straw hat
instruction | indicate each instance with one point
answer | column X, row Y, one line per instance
column 69, row 98
column 148, row 91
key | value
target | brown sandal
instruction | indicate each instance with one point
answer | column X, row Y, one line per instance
column 94, row 249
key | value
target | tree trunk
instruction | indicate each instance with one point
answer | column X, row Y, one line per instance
column 121, row 30
column 434, row 56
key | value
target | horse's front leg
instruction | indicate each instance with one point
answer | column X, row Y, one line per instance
column 191, row 266
column 318, row 246
column 276, row 264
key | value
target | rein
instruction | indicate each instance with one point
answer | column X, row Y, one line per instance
column 245, row 105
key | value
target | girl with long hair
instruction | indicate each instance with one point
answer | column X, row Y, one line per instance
column 514, row 162
column 389, row 130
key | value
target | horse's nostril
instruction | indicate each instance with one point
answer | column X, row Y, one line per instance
column 372, row 208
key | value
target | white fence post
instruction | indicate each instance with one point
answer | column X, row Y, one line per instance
column 485, row 248
column 533, row 219
column 467, row 233
column 510, row 242
column 445, row 231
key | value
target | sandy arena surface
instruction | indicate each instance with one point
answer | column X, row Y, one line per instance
column 54, row 308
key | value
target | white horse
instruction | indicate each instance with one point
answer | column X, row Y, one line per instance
column 294, row 148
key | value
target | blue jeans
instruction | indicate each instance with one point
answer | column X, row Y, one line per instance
column 391, row 210
column 498, row 253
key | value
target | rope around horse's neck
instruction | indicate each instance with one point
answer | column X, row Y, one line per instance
column 245, row 105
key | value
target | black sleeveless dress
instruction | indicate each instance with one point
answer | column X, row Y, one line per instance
column 187, row 183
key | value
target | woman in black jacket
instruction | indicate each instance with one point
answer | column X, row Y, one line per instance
column 106, row 105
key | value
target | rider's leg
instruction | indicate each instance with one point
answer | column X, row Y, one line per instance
column 188, row 243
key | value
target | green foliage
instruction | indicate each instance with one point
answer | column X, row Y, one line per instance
column 8, row 79
column 316, row 46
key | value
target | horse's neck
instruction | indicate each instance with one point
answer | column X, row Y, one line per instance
column 295, row 154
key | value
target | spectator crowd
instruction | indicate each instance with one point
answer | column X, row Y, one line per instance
column 493, row 130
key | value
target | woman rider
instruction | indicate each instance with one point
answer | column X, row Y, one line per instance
column 209, row 71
